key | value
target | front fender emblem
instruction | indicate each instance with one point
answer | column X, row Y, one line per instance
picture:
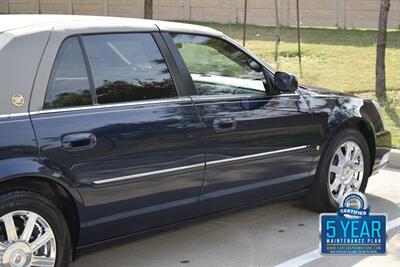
column 18, row 100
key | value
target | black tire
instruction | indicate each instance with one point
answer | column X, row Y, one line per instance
column 319, row 198
column 41, row 205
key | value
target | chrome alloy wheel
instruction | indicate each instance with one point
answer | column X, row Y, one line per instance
column 346, row 170
column 26, row 239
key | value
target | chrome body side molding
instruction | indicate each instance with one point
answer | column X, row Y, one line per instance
column 139, row 175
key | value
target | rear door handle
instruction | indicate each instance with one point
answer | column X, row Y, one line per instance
column 224, row 124
column 79, row 141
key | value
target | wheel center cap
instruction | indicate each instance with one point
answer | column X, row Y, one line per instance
column 17, row 254
column 18, row 258
column 347, row 174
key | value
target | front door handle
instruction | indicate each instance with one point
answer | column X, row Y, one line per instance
column 224, row 124
column 79, row 141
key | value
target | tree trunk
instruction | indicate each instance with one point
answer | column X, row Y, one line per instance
column 298, row 37
column 277, row 33
column 380, row 50
column 148, row 9
column 244, row 22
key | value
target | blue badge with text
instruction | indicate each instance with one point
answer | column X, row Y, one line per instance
column 353, row 229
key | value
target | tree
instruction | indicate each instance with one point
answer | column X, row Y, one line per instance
column 381, row 49
column 245, row 23
column 277, row 34
column 148, row 9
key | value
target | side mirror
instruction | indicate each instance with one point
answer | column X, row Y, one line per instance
column 285, row 82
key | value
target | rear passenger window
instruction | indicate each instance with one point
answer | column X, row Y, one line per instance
column 128, row 67
column 69, row 83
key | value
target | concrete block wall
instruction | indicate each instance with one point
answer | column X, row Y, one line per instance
column 331, row 13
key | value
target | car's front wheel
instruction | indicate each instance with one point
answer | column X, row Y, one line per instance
column 344, row 166
column 33, row 231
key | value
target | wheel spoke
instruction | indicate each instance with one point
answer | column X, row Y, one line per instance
column 38, row 261
column 335, row 184
column 348, row 166
column 2, row 246
column 41, row 241
column 30, row 224
column 356, row 184
column 359, row 168
column 348, row 152
column 336, row 170
column 10, row 227
column 341, row 192
column 42, row 251
column 356, row 154
column 342, row 156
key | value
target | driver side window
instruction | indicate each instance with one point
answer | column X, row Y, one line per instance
column 219, row 68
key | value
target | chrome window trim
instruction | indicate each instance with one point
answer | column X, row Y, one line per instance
column 139, row 175
column 12, row 115
column 125, row 104
column 138, row 103
column 238, row 97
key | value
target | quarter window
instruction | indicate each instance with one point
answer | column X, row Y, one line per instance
column 219, row 68
column 69, row 82
column 128, row 67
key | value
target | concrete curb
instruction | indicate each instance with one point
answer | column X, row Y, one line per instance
column 394, row 158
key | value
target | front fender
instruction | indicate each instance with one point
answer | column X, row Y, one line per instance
column 336, row 111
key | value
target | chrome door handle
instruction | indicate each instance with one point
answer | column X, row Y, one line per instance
column 79, row 141
column 224, row 124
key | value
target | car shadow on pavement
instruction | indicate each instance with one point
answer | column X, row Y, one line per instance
column 264, row 235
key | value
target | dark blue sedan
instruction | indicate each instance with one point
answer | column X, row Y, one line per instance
column 112, row 127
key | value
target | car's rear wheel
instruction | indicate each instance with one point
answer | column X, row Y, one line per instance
column 344, row 166
column 33, row 232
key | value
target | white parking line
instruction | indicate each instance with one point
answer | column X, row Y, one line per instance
column 314, row 254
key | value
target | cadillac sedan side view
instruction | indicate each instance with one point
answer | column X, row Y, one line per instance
column 112, row 127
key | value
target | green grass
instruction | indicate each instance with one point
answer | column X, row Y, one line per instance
column 343, row 60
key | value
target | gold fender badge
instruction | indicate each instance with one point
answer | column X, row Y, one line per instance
column 18, row 100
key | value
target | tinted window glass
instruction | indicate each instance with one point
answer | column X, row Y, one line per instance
column 219, row 68
column 128, row 67
column 69, row 83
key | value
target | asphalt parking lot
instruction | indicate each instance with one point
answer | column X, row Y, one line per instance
column 282, row 234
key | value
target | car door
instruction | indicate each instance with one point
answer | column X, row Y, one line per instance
column 259, row 144
column 114, row 124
